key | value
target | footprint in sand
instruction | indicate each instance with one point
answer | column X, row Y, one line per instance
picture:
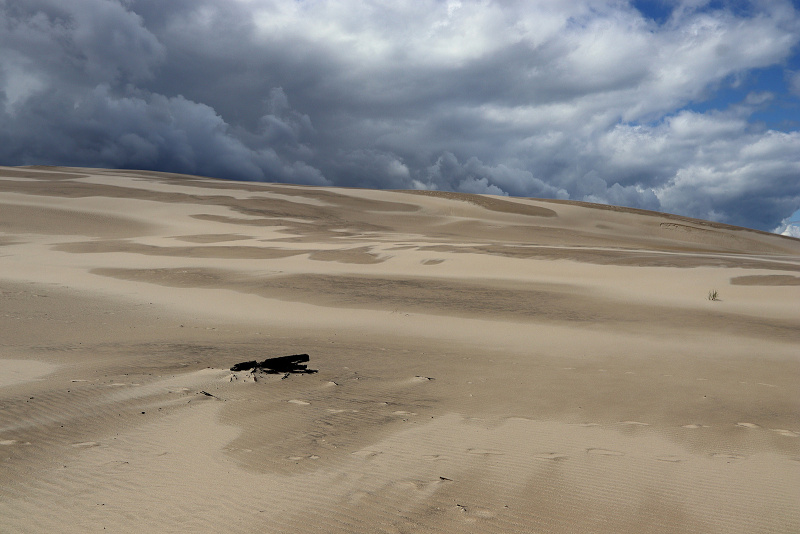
column 299, row 402
column 604, row 452
column 435, row 457
column 418, row 485
column 420, row 379
column 366, row 454
column 357, row 496
column 298, row 458
column 695, row 425
column 552, row 456
column 471, row 515
column 728, row 457
column 787, row 433
column 669, row 458
column 486, row 452
column 747, row 425
column 633, row 423
column 117, row 465
column 483, row 513
column 86, row 444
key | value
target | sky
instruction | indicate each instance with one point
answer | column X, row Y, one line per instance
column 686, row 106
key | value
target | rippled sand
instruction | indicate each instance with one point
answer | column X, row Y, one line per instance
column 485, row 364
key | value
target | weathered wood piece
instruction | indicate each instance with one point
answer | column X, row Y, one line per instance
column 279, row 365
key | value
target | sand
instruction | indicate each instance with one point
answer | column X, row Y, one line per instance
column 485, row 364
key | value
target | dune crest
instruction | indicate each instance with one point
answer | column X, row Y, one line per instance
column 482, row 364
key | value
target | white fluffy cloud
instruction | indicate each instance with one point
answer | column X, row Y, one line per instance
column 571, row 99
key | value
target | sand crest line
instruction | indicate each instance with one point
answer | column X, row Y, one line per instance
column 484, row 364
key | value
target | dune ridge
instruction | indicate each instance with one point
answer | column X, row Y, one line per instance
column 486, row 364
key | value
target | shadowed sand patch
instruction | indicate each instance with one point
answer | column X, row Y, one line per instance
column 491, row 203
column 227, row 252
column 350, row 215
column 25, row 219
column 648, row 213
column 494, row 301
column 19, row 371
column 361, row 255
column 703, row 235
column 635, row 258
column 325, row 219
column 452, row 474
column 313, row 230
column 766, row 280
column 343, row 199
column 40, row 172
column 462, row 402
column 212, row 238
column 224, row 219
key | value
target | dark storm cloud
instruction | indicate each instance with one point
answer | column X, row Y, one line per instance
column 78, row 78
column 568, row 99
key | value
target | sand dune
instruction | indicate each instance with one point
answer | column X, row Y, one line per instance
column 485, row 364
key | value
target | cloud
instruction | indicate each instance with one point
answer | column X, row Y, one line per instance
column 473, row 176
column 563, row 99
column 788, row 229
column 77, row 44
column 790, row 226
column 147, row 131
column 710, row 166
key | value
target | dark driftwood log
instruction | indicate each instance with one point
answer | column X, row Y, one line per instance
column 244, row 366
column 281, row 364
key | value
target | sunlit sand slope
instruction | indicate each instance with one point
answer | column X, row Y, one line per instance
column 485, row 364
